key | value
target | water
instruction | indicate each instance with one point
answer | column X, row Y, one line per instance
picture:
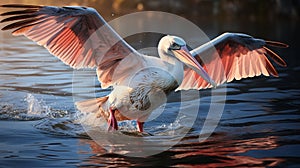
column 259, row 126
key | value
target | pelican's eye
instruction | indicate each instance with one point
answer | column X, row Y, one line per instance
column 175, row 46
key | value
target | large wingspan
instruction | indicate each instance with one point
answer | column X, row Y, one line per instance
column 78, row 36
column 232, row 56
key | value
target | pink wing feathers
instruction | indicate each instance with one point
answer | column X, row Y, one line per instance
column 232, row 56
column 78, row 36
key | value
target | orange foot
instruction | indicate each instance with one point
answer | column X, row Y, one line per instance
column 140, row 126
column 112, row 121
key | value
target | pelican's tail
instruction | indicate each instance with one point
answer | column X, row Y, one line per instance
column 100, row 106
column 93, row 106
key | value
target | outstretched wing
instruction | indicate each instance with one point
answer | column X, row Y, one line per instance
column 78, row 36
column 232, row 56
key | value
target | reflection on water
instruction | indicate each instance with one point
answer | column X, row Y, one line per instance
column 259, row 126
column 205, row 154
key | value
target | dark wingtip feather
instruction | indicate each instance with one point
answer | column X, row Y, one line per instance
column 275, row 57
column 19, row 17
column 271, row 68
column 20, row 6
column 19, row 12
column 19, row 24
column 276, row 44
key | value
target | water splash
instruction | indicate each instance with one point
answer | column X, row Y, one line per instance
column 36, row 107
column 62, row 122
column 39, row 108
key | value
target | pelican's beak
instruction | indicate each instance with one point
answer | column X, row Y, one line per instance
column 184, row 55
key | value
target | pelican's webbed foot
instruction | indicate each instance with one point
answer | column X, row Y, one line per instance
column 140, row 126
column 112, row 121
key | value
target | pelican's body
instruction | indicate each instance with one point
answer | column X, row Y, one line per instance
column 144, row 88
column 146, row 91
column 81, row 38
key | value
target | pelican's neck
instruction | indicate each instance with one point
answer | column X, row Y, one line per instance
column 174, row 66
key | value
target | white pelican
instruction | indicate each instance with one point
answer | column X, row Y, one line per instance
column 138, row 80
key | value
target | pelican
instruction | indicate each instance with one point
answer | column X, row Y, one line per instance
column 138, row 81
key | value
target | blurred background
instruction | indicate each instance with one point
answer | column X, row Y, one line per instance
column 269, row 19
column 218, row 9
column 250, row 9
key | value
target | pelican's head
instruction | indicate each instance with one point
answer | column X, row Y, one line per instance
column 168, row 44
column 175, row 47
